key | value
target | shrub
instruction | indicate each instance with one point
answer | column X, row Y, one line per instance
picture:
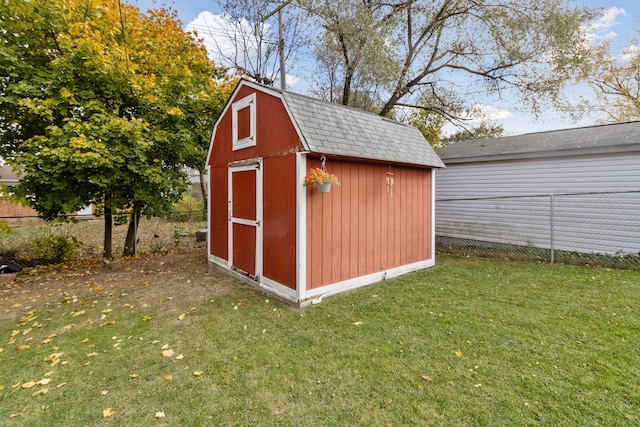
column 53, row 249
column 188, row 209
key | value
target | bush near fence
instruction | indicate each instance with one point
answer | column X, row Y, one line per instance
column 32, row 241
column 598, row 229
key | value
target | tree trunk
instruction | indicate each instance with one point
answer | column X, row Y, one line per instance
column 205, row 199
column 130, row 243
column 108, row 235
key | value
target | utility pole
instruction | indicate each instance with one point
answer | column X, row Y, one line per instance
column 283, row 72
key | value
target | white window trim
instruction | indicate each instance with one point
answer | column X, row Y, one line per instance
column 249, row 141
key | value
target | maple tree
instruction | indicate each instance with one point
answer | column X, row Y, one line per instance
column 101, row 104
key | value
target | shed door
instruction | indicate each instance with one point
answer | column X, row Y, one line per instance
column 245, row 217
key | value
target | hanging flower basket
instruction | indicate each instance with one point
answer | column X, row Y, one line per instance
column 321, row 178
column 323, row 187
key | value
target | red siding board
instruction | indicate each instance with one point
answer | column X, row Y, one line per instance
column 276, row 143
column 359, row 228
column 218, row 212
column 280, row 219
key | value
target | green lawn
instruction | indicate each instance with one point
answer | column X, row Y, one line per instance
column 468, row 342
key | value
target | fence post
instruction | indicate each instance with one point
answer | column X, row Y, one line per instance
column 552, row 228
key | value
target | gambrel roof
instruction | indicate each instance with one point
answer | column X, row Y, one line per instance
column 591, row 139
column 334, row 129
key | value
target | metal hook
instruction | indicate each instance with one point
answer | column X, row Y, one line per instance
column 323, row 159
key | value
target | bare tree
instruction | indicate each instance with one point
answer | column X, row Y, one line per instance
column 428, row 53
column 246, row 37
column 616, row 80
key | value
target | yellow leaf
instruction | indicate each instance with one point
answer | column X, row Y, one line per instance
column 168, row 377
column 23, row 347
column 108, row 413
column 167, row 353
column 29, row 384
column 44, row 381
column 85, row 340
column 133, row 376
column 40, row 392
column 147, row 318
column 182, row 316
column 179, row 357
column 92, row 354
column 459, row 353
column 197, row 373
column 79, row 313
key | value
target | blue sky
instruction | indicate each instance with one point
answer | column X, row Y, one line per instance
column 619, row 22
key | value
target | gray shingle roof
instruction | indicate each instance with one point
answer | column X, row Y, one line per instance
column 330, row 128
column 591, row 137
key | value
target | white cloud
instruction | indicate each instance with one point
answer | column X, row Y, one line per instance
column 224, row 39
column 231, row 43
column 600, row 29
column 630, row 52
column 608, row 19
column 481, row 113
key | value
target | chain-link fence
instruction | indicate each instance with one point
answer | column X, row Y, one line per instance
column 600, row 229
column 30, row 241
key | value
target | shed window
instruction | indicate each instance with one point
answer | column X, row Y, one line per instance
column 244, row 122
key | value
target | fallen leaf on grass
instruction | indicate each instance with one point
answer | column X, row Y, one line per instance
column 182, row 316
column 79, row 313
column 160, row 414
column 459, row 353
column 133, row 376
column 23, row 347
column 426, row 377
column 179, row 357
column 197, row 373
column 146, row 318
column 44, row 381
column 54, row 358
column 29, row 384
column 104, row 392
column 40, row 392
column 108, row 413
column 167, row 353
column 168, row 377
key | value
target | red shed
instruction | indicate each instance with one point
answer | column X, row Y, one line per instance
column 294, row 241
